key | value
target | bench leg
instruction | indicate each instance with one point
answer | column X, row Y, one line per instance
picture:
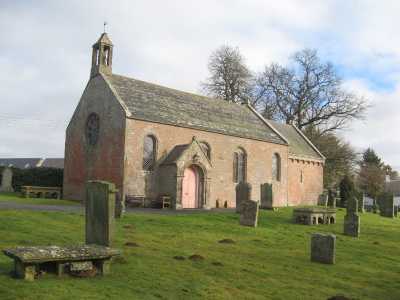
column 60, row 269
column 103, row 266
column 23, row 271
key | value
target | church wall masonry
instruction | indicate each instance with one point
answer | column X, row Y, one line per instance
column 103, row 161
column 222, row 187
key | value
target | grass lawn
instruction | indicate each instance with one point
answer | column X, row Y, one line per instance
column 268, row 262
column 16, row 198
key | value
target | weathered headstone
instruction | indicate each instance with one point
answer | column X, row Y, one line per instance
column 332, row 198
column 243, row 193
column 323, row 248
column 352, row 219
column 6, row 180
column 386, row 205
column 323, row 199
column 119, row 206
column 249, row 213
column 361, row 208
column 266, row 195
column 100, row 212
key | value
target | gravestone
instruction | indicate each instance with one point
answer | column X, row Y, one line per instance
column 6, row 180
column 361, row 208
column 332, row 198
column 266, row 195
column 249, row 213
column 323, row 248
column 323, row 199
column 100, row 212
column 119, row 206
column 243, row 193
column 386, row 205
column 352, row 219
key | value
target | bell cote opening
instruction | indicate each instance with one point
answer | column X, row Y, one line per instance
column 102, row 56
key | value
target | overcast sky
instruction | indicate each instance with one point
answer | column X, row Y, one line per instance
column 45, row 53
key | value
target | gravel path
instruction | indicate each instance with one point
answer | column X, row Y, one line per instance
column 80, row 209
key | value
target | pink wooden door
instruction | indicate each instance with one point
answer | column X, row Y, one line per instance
column 189, row 188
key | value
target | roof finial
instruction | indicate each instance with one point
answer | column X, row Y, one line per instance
column 104, row 26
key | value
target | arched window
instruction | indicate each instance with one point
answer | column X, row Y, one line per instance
column 149, row 152
column 92, row 129
column 239, row 166
column 276, row 167
column 206, row 148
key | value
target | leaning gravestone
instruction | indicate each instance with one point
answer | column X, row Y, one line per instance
column 352, row 219
column 266, row 196
column 249, row 213
column 323, row 248
column 100, row 212
column 6, row 180
column 243, row 193
column 386, row 205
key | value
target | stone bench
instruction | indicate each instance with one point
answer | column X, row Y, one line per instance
column 41, row 191
column 314, row 215
column 75, row 260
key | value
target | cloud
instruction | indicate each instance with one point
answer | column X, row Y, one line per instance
column 45, row 54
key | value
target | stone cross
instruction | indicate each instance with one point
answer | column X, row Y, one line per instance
column 266, row 195
column 352, row 219
column 249, row 213
column 100, row 212
column 243, row 193
column 6, row 180
column 323, row 248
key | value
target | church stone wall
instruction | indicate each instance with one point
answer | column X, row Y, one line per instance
column 103, row 161
column 307, row 191
column 222, row 187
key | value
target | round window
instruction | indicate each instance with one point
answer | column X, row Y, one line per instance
column 92, row 129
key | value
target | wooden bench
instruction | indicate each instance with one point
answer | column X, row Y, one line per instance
column 41, row 191
column 29, row 262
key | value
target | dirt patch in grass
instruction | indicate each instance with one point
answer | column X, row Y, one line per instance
column 131, row 244
column 196, row 257
column 217, row 263
column 226, row 241
column 179, row 257
column 128, row 226
column 339, row 297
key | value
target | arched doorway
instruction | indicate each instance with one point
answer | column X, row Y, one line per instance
column 192, row 187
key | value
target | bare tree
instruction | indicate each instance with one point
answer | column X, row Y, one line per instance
column 230, row 78
column 309, row 93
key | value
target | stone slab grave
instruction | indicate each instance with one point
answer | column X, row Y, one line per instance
column 314, row 215
column 352, row 219
column 323, row 248
column 243, row 193
column 91, row 259
column 249, row 213
column 6, row 180
column 31, row 261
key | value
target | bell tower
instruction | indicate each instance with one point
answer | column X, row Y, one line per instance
column 102, row 56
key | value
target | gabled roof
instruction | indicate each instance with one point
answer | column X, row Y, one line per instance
column 299, row 145
column 393, row 187
column 154, row 103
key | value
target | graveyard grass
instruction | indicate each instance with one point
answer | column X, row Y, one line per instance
column 16, row 198
column 268, row 262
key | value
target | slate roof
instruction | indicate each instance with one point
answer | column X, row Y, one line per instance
column 154, row 103
column 298, row 145
column 394, row 187
column 21, row 163
column 26, row 163
column 57, row 163
column 175, row 153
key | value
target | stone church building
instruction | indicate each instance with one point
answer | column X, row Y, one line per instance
column 153, row 141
